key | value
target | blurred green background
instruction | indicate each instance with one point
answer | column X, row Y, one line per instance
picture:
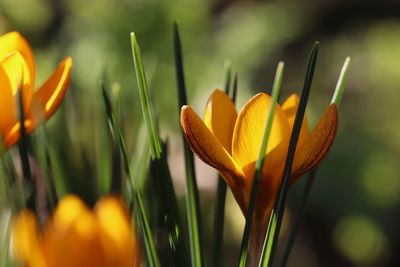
column 353, row 214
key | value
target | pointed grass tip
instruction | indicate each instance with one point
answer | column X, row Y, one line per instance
column 341, row 83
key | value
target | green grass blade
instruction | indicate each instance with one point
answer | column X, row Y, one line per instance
column 155, row 144
column 103, row 147
column 228, row 76
column 42, row 154
column 273, row 235
column 337, row 96
column 24, row 154
column 116, row 172
column 168, row 212
column 235, row 88
column 140, row 211
column 260, row 161
column 140, row 160
column 298, row 217
column 192, row 199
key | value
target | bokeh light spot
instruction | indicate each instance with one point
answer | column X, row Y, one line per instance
column 379, row 178
column 360, row 240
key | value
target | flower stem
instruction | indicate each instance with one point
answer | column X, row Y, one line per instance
column 298, row 217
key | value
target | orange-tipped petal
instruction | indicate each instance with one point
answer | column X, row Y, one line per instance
column 289, row 106
column 317, row 143
column 17, row 71
column 119, row 243
column 209, row 149
column 26, row 246
column 47, row 99
column 13, row 41
column 7, row 107
column 248, row 135
column 220, row 117
column 14, row 133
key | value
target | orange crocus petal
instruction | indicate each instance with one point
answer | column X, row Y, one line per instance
column 248, row 135
column 317, row 143
column 116, row 235
column 13, row 41
column 71, row 238
column 26, row 247
column 14, row 133
column 7, row 107
column 17, row 72
column 289, row 106
column 220, row 117
column 47, row 99
column 208, row 148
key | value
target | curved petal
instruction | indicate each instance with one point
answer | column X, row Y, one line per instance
column 220, row 117
column 13, row 41
column 119, row 243
column 25, row 236
column 47, row 99
column 289, row 106
column 209, row 149
column 12, row 136
column 317, row 143
column 248, row 134
column 8, row 106
column 17, row 71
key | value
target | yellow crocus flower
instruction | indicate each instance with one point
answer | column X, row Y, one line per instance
column 76, row 236
column 230, row 143
column 17, row 74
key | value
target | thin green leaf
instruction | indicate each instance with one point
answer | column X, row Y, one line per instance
column 337, row 96
column 192, row 199
column 140, row 211
column 155, row 144
column 298, row 217
column 260, row 161
column 42, row 153
column 116, row 172
column 273, row 234
column 235, row 88
column 24, row 154
column 168, row 214
column 103, row 148
column 141, row 157
column 228, row 75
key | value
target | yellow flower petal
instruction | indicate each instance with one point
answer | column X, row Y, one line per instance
column 17, row 72
column 12, row 42
column 13, row 135
column 72, row 237
column 220, row 117
column 248, row 134
column 209, row 149
column 49, row 96
column 26, row 246
column 7, row 107
column 317, row 143
column 289, row 106
column 118, row 241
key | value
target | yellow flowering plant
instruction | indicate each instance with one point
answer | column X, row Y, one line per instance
column 77, row 236
column 259, row 152
column 17, row 76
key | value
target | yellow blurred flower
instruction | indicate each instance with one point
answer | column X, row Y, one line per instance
column 76, row 236
column 17, row 74
column 230, row 142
